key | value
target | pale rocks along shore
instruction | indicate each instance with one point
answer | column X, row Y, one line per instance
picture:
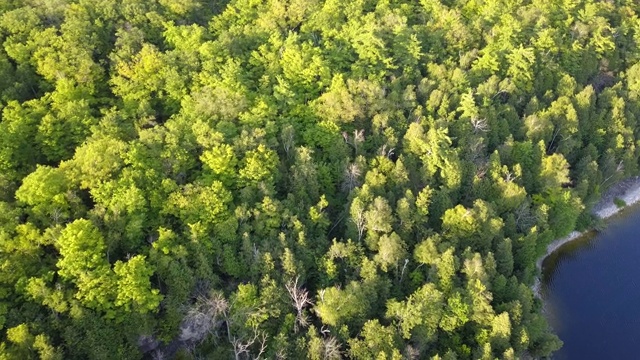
column 627, row 190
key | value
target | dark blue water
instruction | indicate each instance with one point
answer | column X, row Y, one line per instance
column 592, row 292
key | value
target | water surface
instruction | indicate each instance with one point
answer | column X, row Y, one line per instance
column 591, row 289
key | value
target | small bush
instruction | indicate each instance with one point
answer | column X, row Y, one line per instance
column 619, row 203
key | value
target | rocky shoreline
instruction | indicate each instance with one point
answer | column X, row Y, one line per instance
column 627, row 190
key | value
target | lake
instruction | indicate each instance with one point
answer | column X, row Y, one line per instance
column 591, row 289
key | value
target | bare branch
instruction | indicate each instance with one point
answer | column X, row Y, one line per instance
column 481, row 171
column 619, row 169
column 479, row 125
column 352, row 177
column 331, row 348
column 56, row 215
column 241, row 347
column 404, row 267
column 359, row 221
column 324, row 331
column 281, row 355
column 205, row 317
column 411, row 353
column 358, row 137
column 300, row 298
column 158, row 355
column 388, row 153
column 509, row 176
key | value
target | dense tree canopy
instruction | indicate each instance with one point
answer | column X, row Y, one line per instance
column 294, row 179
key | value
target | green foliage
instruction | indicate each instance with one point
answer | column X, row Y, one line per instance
column 47, row 193
column 301, row 179
column 134, row 287
column 619, row 202
column 197, row 203
column 82, row 261
column 474, row 227
column 338, row 307
column 422, row 308
column 376, row 342
column 259, row 165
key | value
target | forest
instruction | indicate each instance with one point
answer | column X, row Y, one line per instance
column 301, row 179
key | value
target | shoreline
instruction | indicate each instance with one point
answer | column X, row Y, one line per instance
column 627, row 190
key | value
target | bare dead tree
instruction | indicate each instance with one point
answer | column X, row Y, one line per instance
column 358, row 137
column 352, row 177
column 500, row 92
column 300, row 298
column 56, row 215
column 205, row 317
column 386, row 152
column 481, row 171
column 242, row 349
column 556, row 131
column 479, row 125
column 411, row 353
column 158, row 355
column 404, row 267
column 358, row 220
column 331, row 348
column 208, row 316
column 619, row 170
column 509, row 176
column 323, row 330
column 281, row 354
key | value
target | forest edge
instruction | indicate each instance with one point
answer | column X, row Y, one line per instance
column 627, row 190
